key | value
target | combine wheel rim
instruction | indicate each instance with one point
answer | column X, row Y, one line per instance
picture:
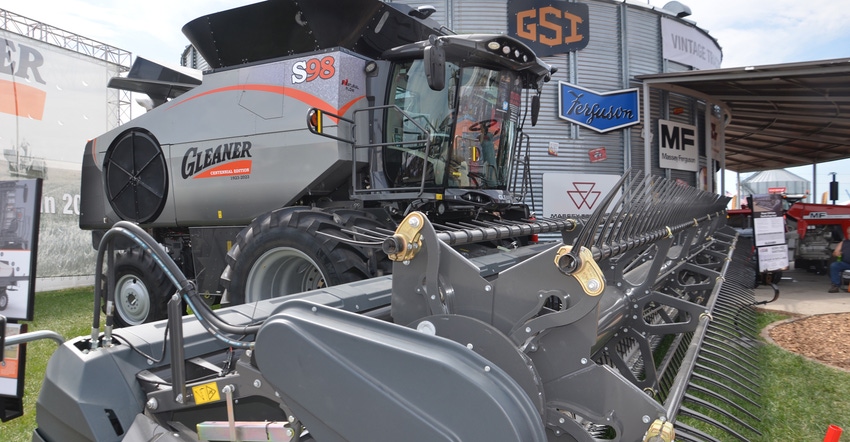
column 283, row 268
column 132, row 299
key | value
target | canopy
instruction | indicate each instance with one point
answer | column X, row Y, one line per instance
column 783, row 115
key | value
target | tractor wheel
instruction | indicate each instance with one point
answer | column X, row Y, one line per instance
column 292, row 250
column 142, row 290
column 4, row 299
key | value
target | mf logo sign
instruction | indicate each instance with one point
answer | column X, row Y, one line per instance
column 677, row 146
column 569, row 194
column 549, row 27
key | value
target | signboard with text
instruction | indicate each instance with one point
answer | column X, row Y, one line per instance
column 687, row 45
column 600, row 111
column 677, row 146
column 549, row 27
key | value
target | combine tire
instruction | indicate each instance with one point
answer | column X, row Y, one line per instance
column 292, row 250
column 142, row 290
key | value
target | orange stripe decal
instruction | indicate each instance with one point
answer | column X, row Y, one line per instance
column 304, row 97
column 21, row 100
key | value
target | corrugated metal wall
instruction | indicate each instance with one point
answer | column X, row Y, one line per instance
column 625, row 41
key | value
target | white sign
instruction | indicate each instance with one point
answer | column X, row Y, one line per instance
column 769, row 231
column 568, row 194
column 688, row 46
column 773, row 257
column 677, row 146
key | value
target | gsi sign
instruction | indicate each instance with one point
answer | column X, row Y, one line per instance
column 549, row 27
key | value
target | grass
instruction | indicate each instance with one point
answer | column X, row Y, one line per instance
column 800, row 398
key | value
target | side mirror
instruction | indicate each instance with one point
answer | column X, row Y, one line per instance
column 435, row 65
column 535, row 109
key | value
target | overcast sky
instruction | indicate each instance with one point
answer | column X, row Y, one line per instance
column 750, row 32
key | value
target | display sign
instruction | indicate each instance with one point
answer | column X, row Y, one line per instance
column 19, row 222
column 602, row 112
column 773, row 257
column 12, row 370
column 568, row 194
column 769, row 231
column 677, row 146
column 687, row 45
column 549, row 27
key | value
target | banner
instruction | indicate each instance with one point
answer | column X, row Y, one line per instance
column 688, row 46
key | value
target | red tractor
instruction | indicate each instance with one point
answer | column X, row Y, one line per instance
column 819, row 227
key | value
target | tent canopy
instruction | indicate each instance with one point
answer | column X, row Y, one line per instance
column 785, row 115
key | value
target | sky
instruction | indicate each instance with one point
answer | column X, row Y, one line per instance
column 750, row 32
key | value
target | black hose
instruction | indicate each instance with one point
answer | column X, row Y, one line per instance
column 185, row 287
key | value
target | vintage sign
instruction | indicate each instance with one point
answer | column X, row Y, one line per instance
column 602, row 112
column 549, row 27
column 677, row 146
column 597, row 155
column 688, row 46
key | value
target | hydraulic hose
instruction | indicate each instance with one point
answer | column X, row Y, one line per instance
column 185, row 287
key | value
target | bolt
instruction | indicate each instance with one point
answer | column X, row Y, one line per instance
column 414, row 222
column 645, row 419
column 152, row 404
column 291, row 419
column 583, row 361
column 406, row 262
column 258, row 383
column 528, row 329
column 469, row 346
column 488, row 287
column 248, row 353
column 289, row 432
column 179, row 399
column 487, row 369
column 593, row 285
column 561, row 420
column 314, row 309
column 634, row 317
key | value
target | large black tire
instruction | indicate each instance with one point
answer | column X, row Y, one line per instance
column 292, row 250
column 142, row 290
column 4, row 299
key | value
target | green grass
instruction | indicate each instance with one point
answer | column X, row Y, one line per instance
column 800, row 398
column 67, row 312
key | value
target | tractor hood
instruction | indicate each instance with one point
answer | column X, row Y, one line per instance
column 278, row 28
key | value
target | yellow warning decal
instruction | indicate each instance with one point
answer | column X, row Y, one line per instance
column 206, row 393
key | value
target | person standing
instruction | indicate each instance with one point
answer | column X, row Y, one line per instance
column 842, row 263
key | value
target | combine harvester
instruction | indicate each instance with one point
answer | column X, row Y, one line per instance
column 636, row 327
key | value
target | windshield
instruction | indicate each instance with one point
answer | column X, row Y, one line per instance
column 462, row 136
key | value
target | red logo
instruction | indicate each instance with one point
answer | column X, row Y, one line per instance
column 584, row 195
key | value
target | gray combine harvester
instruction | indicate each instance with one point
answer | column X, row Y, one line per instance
column 249, row 195
column 636, row 327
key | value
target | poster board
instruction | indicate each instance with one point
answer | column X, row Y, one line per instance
column 12, row 370
column 769, row 232
column 19, row 226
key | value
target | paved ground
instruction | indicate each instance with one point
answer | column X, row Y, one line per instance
column 804, row 293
